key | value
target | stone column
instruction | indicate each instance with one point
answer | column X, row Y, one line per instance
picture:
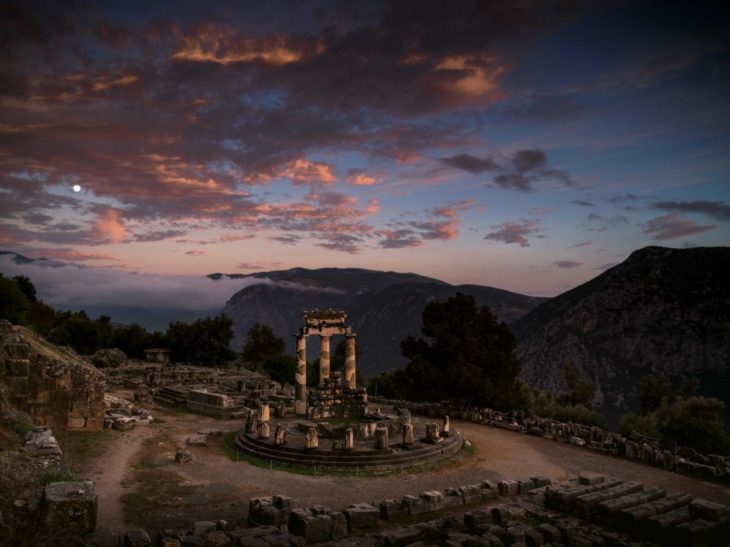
column 324, row 358
column 350, row 370
column 432, row 432
column 280, row 435
column 262, row 430
column 408, row 433
column 381, row 438
column 264, row 412
column 349, row 439
column 311, row 438
column 300, row 401
column 446, row 430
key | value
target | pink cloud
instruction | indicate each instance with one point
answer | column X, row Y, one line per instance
column 673, row 226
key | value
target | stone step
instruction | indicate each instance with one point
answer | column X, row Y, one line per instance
column 607, row 510
column 585, row 504
column 628, row 519
column 659, row 527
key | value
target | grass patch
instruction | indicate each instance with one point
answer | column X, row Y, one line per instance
column 47, row 477
column 228, row 445
column 155, row 488
column 83, row 447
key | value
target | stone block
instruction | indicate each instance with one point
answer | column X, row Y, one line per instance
column 474, row 519
column 453, row 497
column 136, row 538
column 508, row 487
column 433, row 499
column 313, row 528
column 549, row 532
column 393, row 509
column 471, row 493
column 183, row 455
column 339, row 525
column 502, row 514
column 361, row 515
column 69, row 507
column 217, row 538
column 695, row 532
column 523, row 487
column 541, row 481
column 533, row 538
column 708, row 510
column 202, row 527
column 17, row 367
column 589, row 477
column 415, row 505
column 400, row 537
column 269, row 510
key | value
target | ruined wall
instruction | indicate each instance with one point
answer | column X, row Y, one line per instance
column 54, row 386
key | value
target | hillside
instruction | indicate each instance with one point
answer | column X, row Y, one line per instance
column 662, row 310
column 382, row 307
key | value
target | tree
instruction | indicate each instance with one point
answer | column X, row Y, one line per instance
column 696, row 422
column 467, row 356
column 281, row 368
column 654, row 390
column 204, row 341
column 26, row 287
column 580, row 391
column 13, row 303
column 261, row 345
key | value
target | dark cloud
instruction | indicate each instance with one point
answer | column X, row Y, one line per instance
column 581, row 244
column 583, row 203
column 470, row 163
column 398, row 239
column 673, row 226
column 622, row 198
column 719, row 210
column 515, row 232
column 566, row 264
column 606, row 221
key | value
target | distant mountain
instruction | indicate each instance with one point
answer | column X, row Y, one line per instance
column 382, row 307
column 661, row 310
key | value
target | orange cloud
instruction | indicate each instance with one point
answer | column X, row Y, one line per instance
column 476, row 76
column 361, row 179
column 212, row 44
column 101, row 85
column 373, row 206
column 110, row 226
column 303, row 171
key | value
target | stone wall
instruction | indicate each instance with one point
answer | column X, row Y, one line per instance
column 54, row 386
column 684, row 460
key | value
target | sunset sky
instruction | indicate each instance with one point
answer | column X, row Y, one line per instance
column 522, row 145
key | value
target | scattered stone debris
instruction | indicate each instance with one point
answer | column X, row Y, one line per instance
column 595, row 509
column 183, row 455
column 41, row 442
column 197, row 440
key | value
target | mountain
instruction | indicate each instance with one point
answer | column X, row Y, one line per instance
column 382, row 307
column 661, row 310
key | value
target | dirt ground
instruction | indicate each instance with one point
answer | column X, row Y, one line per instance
column 138, row 483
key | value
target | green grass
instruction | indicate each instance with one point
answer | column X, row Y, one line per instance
column 47, row 477
column 228, row 444
column 155, row 488
column 84, row 446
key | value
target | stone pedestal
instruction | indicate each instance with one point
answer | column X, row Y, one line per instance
column 432, row 432
column 408, row 433
column 311, row 438
column 300, row 402
column 280, row 435
column 324, row 359
column 69, row 507
column 381, row 438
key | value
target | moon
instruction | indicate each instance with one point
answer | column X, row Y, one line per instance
column 76, row 188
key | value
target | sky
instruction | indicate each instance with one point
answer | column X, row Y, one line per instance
column 526, row 145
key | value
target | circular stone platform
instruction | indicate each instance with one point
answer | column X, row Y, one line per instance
column 363, row 457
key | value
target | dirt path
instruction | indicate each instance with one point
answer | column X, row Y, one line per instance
column 109, row 473
column 219, row 488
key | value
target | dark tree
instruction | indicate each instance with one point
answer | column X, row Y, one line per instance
column 281, row 368
column 132, row 340
column 27, row 288
column 204, row 341
column 654, row 390
column 41, row 317
column 13, row 303
column 580, row 391
column 261, row 345
column 467, row 356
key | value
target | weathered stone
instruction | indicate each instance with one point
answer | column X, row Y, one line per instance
column 433, row 499
column 136, row 538
column 311, row 438
column 264, row 412
column 202, row 527
column 339, row 525
column 408, row 433
column 197, row 440
column 508, row 487
column 470, row 493
column 446, row 428
column 549, row 532
column 109, row 358
column 269, row 510
column 361, row 515
column 69, row 507
column 280, row 435
column 263, row 431
column 432, row 432
column 474, row 519
column 381, row 438
column 589, row 477
column 17, row 367
column 393, row 509
column 183, row 455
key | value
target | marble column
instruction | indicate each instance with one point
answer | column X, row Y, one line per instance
column 300, row 401
column 350, row 370
column 324, row 358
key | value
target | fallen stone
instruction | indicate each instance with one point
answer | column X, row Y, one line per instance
column 136, row 538
column 361, row 515
column 197, row 440
column 217, row 538
column 183, row 455
column 589, row 477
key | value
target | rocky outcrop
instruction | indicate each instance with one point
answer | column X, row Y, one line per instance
column 109, row 358
column 662, row 310
column 384, row 307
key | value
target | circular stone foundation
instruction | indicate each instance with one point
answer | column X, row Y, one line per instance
column 331, row 454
